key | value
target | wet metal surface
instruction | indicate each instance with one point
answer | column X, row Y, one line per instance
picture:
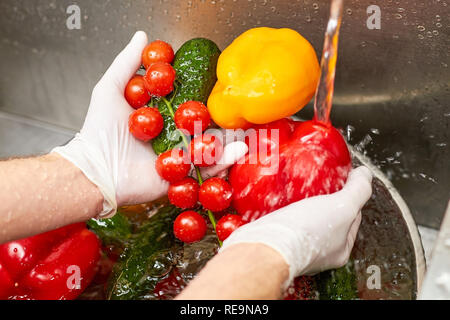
column 21, row 137
column 392, row 84
column 388, row 241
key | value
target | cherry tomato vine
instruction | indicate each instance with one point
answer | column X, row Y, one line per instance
column 211, row 217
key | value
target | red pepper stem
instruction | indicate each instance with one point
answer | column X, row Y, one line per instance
column 199, row 176
column 197, row 170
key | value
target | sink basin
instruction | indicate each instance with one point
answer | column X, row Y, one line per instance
column 392, row 84
column 391, row 93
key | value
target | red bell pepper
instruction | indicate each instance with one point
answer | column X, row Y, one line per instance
column 314, row 160
column 58, row 264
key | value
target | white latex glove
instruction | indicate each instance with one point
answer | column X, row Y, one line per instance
column 121, row 166
column 314, row 234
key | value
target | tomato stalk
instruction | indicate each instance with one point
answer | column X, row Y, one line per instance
column 197, row 170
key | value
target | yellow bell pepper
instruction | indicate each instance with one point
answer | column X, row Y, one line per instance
column 264, row 75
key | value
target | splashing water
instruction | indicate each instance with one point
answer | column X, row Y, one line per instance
column 325, row 87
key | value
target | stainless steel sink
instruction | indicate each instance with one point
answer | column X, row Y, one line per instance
column 392, row 86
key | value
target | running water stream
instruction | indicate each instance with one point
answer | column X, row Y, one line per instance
column 325, row 88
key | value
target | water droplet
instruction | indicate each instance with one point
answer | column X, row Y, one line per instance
column 444, row 281
column 447, row 242
column 348, row 132
column 365, row 141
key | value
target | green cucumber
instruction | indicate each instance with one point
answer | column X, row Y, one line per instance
column 145, row 259
column 112, row 231
column 195, row 64
column 338, row 284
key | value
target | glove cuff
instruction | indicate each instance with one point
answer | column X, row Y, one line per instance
column 280, row 238
column 93, row 165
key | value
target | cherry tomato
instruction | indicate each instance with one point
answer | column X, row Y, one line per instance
column 184, row 193
column 215, row 194
column 157, row 51
column 136, row 93
column 145, row 123
column 159, row 79
column 205, row 150
column 189, row 227
column 227, row 224
column 190, row 113
column 173, row 165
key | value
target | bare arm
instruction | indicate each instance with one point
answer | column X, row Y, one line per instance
column 43, row 193
column 243, row 271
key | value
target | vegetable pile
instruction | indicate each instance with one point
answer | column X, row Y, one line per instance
column 152, row 249
column 296, row 159
column 54, row 265
column 178, row 122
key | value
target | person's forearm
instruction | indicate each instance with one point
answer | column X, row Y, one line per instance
column 43, row 193
column 242, row 271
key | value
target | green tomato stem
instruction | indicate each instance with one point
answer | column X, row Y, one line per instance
column 197, row 170
column 172, row 114
column 199, row 176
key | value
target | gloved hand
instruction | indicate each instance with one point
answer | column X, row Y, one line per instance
column 314, row 234
column 121, row 166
